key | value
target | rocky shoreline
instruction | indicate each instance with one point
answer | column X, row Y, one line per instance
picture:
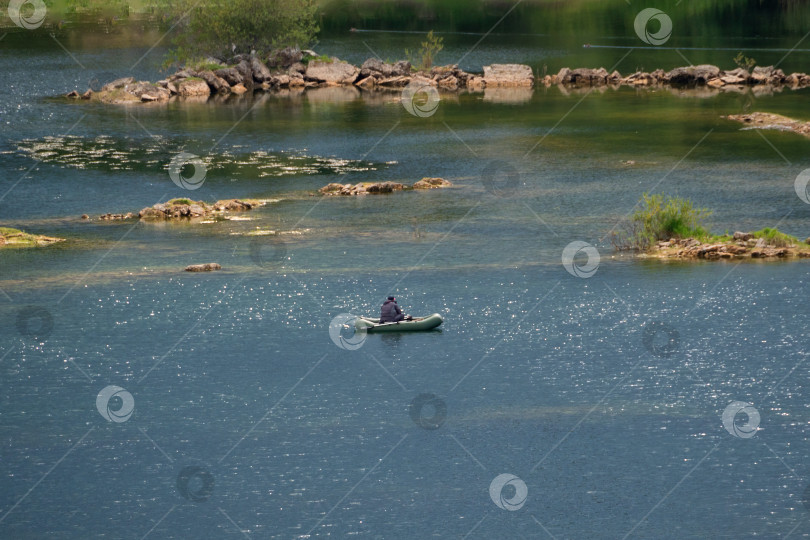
column 740, row 246
column 373, row 188
column 296, row 71
column 185, row 209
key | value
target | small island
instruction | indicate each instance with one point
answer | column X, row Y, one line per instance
column 15, row 238
column 672, row 228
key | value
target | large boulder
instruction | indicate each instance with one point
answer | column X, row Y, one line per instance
column 431, row 183
column 284, row 58
column 334, row 72
column 193, row 87
column 246, row 71
column 261, row 73
column 215, row 83
column 508, row 75
column 230, row 75
column 146, row 91
column 691, row 75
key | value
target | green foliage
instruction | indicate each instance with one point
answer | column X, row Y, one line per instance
column 188, row 202
column 662, row 218
column 423, row 58
column 222, row 28
column 773, row 237
column 200, row 64
column 744, row 62
column 322, row 58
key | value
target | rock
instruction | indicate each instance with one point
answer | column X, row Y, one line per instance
column 117, row 83
column 239, row 89
column 193, row 87
column 284, row 58
column 297, row 67
column 232, row 205
column 475, row 83
column 401, row 69
column 361, row 189
column 88, row 94
column 450, row 83
column 368, row 82
column 760, row 74
column 400, row 80
column 214, row 82
column 280, row 81
column 744, row 236
column 246, row 72
column 431, row 183
column 716, row 83
column 384, row 187
column 230, row 75
column 691, row 75
column 563, row 76
column 508, row 75
column 73, row 94
column 732, row 79
column 207, row 267
column 260, row 72
column 588, row 76
column 335, row 72
column 148, row 97
column 85, row 216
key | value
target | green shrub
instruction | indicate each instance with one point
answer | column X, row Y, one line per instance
column 662, row 218
column 773, row 237
column 423, row 58
column 200, row 64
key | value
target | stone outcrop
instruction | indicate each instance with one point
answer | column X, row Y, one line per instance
column 334, row 72
column 185, row 208
column 206, row 267
column 508, row 75
column 741, row 246
column 762, row 120
column 193, row 87
column 431, row 183
column 365, row 188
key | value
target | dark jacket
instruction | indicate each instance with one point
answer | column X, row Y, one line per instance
column 390, row 312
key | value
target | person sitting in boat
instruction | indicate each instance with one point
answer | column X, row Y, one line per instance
column 390, row 312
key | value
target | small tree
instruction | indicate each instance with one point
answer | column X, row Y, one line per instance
column 423, row 58
column 225, row 27
column 661, row 218
column 744, row 62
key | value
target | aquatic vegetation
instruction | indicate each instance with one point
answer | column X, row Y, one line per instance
column 106, row 153
column 11, row 238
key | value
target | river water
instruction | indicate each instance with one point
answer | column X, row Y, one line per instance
column 236, row 414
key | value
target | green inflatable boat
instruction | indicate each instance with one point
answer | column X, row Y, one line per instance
column 418, row 324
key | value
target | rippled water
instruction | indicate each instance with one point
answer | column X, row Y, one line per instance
column 560, row 381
